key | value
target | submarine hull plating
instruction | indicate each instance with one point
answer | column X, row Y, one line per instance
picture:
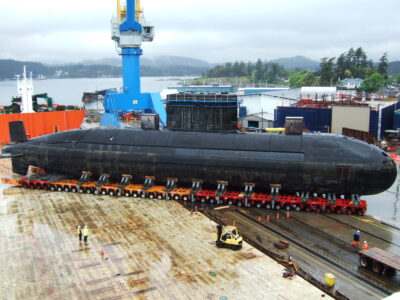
column 299, row 163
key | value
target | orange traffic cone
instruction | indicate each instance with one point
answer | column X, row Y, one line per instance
column 277, row 216
column 259, row 219
column 234, row 223
column 268, row 218
column 287, row 214
column 102, row 252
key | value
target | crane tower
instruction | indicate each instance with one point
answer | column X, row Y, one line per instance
column 129, row 29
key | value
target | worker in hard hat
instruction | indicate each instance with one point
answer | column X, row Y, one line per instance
column 79, row 232
column 85, row 232
column 365, row 245
column 356, row 238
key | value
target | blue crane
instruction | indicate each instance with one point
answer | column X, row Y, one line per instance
column 129, row 30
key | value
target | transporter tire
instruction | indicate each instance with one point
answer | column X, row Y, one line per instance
column 360, row 212
column 73, row 190
column 365, row 262
column 160, row 197
column 66, row 189
column 111, row 193
column 88, row 191
column 127, row 194
column 185, row 198
column 135, row 195
column 59, row 189
column 377, row 267
column 151, row 196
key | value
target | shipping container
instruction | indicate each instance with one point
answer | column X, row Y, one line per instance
column 315, row 119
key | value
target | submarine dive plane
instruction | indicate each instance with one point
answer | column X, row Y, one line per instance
column 312, row 163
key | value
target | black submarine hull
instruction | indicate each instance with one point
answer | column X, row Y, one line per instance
column 316, row 163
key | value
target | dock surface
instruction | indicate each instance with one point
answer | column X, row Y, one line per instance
column 153, row 249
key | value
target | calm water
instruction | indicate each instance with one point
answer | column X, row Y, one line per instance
column 70, row 91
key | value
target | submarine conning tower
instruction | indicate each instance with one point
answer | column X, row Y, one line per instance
column 208, row 112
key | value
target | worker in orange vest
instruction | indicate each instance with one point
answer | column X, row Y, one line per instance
column 356, row 238
column 365, row 246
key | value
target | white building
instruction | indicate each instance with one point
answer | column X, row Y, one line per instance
column 351, row 83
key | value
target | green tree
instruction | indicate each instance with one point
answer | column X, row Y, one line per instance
column 327, row 74
column 302, row 78
column 383, row 65
column 373, row 83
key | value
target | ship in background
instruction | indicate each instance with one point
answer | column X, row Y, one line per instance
column 39, row 119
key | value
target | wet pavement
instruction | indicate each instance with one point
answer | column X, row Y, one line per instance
column 153, row 249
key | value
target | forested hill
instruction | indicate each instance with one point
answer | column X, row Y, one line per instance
column 161, row 66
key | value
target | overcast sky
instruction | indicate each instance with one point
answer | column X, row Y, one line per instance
column 54, row 31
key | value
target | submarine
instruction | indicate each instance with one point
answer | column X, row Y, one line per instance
column 298, row 163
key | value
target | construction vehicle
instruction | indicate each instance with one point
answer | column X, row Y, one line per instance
column 379, row 261
column 228, row 237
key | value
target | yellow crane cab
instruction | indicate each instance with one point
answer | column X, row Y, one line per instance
column 228, row 237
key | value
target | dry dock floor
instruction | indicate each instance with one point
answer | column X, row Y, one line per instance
column 153, row 249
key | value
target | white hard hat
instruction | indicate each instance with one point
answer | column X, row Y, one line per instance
column 358, row 230
column 365, row 242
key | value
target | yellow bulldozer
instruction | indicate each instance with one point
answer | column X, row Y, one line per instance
column 228, row 237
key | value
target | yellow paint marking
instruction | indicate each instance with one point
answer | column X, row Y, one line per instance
column 376, row 225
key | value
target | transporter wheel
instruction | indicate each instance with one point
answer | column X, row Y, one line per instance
column 176, row 197
column 143, row 195
column 258, row 205
column 59, row 189
column 328, row 210
column 297, row 208
column 287, row 207
column 318, row 209
column 268, row 206
column 349, row 211
column 111, row 193
column 339, row 210
column 211, row 200
column 103, row 192
column 184, row 198
column 160, row 197
column 88, row 191
column 135, row 195
column 202, row 199
column 81, row 191
column 277, row 206
column 377, row 267
column 390, row 272
column 151, row 196
column 239, row 203
column 360, row 212
column 127, row 194
column 66, row 189
column 73, row 190
column 364, row 262
column 230, row 202
column 307, row 208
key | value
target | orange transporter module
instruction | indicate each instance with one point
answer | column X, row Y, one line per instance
column 40, row 123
